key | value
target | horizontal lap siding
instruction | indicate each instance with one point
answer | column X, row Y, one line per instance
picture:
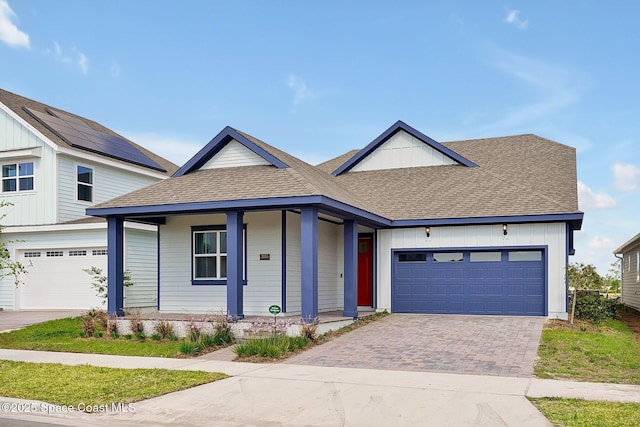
column 33, row 207
column 630, row 284
column 486, row 236
column 328, row 289
column 142, row 262
column 293, row 263
column 263, row 277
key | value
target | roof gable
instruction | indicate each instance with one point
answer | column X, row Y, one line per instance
column 207, row 158
column 434, row 154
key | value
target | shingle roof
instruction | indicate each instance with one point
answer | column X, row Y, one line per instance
column 16, row 103
column 516, row 175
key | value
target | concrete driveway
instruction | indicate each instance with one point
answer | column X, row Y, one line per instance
column 481, row 345
column 10, row 320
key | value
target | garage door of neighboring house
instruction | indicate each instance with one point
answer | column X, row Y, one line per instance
column 507, row 282
column 56, row 280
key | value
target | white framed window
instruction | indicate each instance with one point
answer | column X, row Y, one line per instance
column 638, row 266
column 97, row 252
column 17, row 177
column 77, row 253
column 55, row 253
column 628, row 262
column 209, row 254
column 84, row 184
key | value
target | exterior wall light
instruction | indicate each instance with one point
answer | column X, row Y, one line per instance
column 427, row 231
column 505, row 229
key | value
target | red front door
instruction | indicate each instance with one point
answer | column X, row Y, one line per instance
column 365, row 271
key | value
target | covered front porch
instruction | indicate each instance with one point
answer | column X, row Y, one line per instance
column 302, row 258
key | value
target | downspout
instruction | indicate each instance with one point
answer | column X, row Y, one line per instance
column 621, row 273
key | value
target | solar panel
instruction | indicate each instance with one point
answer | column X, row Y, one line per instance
column 77, row 133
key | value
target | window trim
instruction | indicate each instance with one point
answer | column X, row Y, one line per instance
column 215, row 282
column 637, row 266
column 17, row 177
column 92, row 185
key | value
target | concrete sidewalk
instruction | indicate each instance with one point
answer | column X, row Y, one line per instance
column 293, row 395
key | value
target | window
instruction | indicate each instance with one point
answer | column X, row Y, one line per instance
column 32, row 254
column 210, row 254
column 637, row 266
column 85, row 183
column 99, row 252
column 55, row 253
column 77, row 253
column 628, row 262
column 485, row 256
column 525, row 256
column 448, row 257
column 17, row 177
column 412, row 257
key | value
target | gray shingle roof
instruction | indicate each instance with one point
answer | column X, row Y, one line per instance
column 16, row 103
column 516, row 175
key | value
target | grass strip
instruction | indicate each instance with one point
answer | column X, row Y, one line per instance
column 91, row 385
column 588, row 413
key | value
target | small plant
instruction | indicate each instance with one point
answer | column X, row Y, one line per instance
column 172, row 337
column 194, row 328
column 111, row 324
column 100, row 283
column 222, row 329
column 583, row 328
column 128, row 337
column 207, row 340
column 115, row 335
column 156, row 336
column 272, row 347
column 98, row 334
column 187, row 347
column 164, row 328
column 88, row 325
column 309, row 330
column 141, row 336
column 136, row 323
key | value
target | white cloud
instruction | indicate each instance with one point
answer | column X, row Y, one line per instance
column 9, row 32
column 590, row 200
column 72, row 56
column 513, row 18
column 626, row 176
column 83, row 62
column 301, row 91
column 178, row 149
column 601, row 242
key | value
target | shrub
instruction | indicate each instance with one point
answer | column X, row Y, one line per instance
column 592, row 306
column 194, row 328
column 309, row 330
column 164, row 328
column 111, row 324
column 207, row 340
column 187, row 347
column 88, row 325
column 273, row 347
column 136, row 323
column 222, row 329
column 156, row 336
column 141, row 336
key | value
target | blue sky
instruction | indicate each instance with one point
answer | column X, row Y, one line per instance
column 317, row 79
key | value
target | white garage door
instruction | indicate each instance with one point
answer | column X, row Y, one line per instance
column 56, row 279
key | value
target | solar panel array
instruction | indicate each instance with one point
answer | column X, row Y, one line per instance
column 78, row 134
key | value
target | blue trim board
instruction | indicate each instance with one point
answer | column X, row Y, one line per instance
column 396, row 127
column 309, row 263
column 543, row 248
column 115, row 266
column 158, row 271
column 235, row 243
column 575, row 220
column 225, row 136
column 283, row 266
column 569, row 247
column 350, row 258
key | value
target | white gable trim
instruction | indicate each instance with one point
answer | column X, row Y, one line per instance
column 403, row 150
column 234, row 154
column 27, row 125
column 25, row 152
column 76, row 227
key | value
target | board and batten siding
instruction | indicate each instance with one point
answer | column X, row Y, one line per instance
column 402, row 150
column 264, row 278
column 108, row 182
column 232, row 155
column 630, row 277
column 29, row 207
column 141, row 260
column 552, row 235
column 20, row 242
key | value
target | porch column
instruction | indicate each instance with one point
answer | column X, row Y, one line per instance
column 234, row 265
column 350, row 269
column 309, row 263
column 115, row 265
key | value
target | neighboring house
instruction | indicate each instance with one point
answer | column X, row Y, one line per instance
column 54, row 165
column 406, row 224
column 630, row 277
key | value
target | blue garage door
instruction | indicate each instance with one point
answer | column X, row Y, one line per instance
column 510, row 282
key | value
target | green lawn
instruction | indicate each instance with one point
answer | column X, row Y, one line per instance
column 90, row 385
column 584, row 413
column 64, row 335
column 609, row 354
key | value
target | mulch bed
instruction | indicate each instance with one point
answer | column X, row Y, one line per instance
column 629, row 316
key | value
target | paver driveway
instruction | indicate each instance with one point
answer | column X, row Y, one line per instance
column 485, row 345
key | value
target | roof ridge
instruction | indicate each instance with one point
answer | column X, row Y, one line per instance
column 298, row 177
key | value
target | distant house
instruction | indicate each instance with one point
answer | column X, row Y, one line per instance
column 54, row 166
column 405, row 224
column 630, row 252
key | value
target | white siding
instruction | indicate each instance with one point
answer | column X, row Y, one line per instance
column 549, row 234
column 328, row 289
column 263, row 277
column 234, row 154
column 108, row 182
column 294, row 284
column 402, row 151
column 34, row 207
column 142, row 261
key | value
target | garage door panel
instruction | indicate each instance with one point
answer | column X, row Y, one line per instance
column 494, row 283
